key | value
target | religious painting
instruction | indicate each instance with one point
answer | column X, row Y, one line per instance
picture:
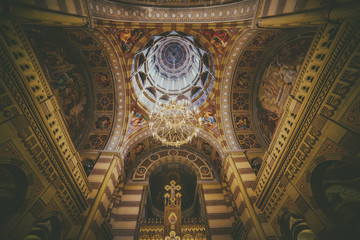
column 103, row 122
column 127, row 37
column 137, row 119
column 61, row 65
column 242, row 122
column 208, row 118
column 242, row 79
column 277, row 81
column 218, row 38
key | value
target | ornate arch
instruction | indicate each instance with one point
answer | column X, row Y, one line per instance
column 145, row 133
column 149, row 162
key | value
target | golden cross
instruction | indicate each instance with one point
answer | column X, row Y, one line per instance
column 172, row 188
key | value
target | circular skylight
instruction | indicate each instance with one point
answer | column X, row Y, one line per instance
column 172, row 66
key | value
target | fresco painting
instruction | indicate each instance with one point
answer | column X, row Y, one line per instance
column 277, row 82
column 103, row 122
column 218, row 38
column 242, row 79
column 242, row 122
column 65, row 78
column 209, row 119
column 126, row 37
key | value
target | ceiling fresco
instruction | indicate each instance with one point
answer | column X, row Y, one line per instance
column 243, row 81
column 214, row 41
column 276, row 83
column 249, row 58
column 67, row 77
column 82, row 82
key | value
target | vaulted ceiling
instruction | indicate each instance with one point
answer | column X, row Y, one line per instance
column 245, row 74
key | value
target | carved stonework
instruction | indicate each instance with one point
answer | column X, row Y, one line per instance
column 352, row 117
column 7, row 149
column 302, row 185
column 340, row 41
column 330, row 147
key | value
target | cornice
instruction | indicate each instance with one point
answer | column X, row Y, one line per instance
column 238, row 11
column 46, row 137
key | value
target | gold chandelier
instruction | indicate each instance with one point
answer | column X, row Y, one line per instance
column 174, row 123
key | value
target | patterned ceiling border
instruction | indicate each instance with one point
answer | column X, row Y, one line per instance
column 131, row 142
column 120, row 90
column 226, row 83
column 238, row 11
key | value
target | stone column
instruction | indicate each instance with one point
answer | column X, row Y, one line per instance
column 240, row 183
column 95, row 205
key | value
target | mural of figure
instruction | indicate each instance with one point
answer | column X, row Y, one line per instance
column 277, row 82
column 209, row 118
column 242, row 122
column 128, row 38
column 218, row 39
column 137, row 119
column 103, row 123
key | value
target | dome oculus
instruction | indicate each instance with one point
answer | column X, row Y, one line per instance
column 172, row 66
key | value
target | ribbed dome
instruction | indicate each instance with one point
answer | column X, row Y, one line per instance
column 172, row 66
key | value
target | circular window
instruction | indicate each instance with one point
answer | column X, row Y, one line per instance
column 172, row 66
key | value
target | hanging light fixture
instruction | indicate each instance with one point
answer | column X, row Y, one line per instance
column 174, row 123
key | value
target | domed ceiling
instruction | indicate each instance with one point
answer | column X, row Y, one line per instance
column 172, row 66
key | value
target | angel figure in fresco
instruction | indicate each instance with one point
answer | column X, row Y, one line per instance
column 209, row 118
column 137, row 119
column 128, row 38
column 242, row 122
column 218, row 39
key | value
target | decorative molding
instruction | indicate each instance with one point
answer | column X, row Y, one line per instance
column 291, row 154
column 238, row 11
column 330, row 147
column 45, row 138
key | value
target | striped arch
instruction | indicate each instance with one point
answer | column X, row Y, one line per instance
column 119, row 88
column 145, row 133
column 226, row 88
